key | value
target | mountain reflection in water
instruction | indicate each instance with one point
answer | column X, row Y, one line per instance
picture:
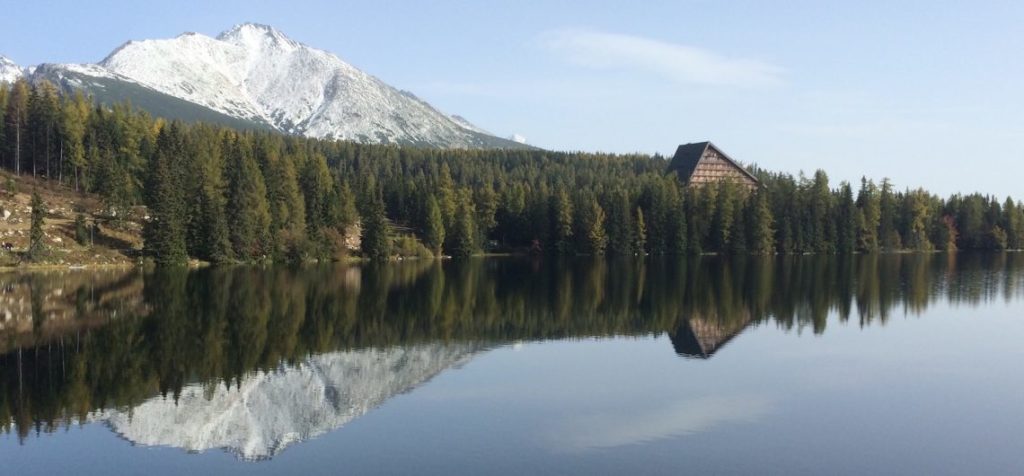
column 254, row 359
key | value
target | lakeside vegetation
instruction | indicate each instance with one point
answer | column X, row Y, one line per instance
column 221, row 195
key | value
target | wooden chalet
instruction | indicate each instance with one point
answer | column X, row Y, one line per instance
column 700, row 163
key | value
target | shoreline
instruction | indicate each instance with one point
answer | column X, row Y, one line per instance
column 196, row 264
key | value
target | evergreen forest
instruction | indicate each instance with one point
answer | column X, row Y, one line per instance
column 221, row 195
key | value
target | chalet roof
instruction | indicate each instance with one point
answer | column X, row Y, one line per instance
column 688, row 155
column 688, row 342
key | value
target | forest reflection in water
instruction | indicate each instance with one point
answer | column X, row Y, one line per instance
column 76, row 343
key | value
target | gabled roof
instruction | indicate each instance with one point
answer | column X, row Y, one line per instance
column 687, row 341
column 688, row 156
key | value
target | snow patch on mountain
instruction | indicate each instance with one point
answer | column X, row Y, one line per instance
column 9, row 70
column 193, row 67
column 269, row 411
column 519, row 138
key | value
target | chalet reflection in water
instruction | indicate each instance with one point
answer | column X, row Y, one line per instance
column 77, row 347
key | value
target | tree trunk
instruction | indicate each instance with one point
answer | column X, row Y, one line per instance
column 17, row 147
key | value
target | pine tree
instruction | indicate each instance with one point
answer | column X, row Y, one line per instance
column 434, row 232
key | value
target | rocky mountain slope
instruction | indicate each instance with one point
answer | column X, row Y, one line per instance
column 254, row 76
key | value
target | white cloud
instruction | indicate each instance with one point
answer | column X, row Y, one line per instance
column 650, row 424
column 682, row 63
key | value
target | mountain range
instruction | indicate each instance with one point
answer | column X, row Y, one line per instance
column 254, row 77
column 265, row 412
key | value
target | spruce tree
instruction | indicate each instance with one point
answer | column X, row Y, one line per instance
column 464, row 235
column 44, row 122
column 247, row 208
column 36, row 246
column 446, row 196
column 591, row 227
column 888, row 235
column 434, row 233
column 563, row 216
column 212, row 240
column 81, row 230
column 919, row 216
column 679, row 233
column 1013, row 223
column 318, row 187
column 761, row 232
column 738, row 241
column 724, row 218
column 165, row 232
column 16, row 123
column 620, row 224
column 486, row 204
column 869, row 207
column 846, row 220
column 287, row 205
column 640, row 232
column 346, row 213
column 4, row 94
column 376, row 240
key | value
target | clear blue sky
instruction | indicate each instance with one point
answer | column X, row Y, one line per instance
column 928, row 93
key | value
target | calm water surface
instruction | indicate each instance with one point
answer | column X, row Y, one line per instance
column 901, row 364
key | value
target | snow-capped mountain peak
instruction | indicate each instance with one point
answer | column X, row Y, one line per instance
column 250, row 32
column 255, row 76
column 257, row 73
column 9, row 70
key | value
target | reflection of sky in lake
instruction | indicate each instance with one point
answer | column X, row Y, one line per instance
column 915, row 395
column 686, row 417
column 934, row 390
